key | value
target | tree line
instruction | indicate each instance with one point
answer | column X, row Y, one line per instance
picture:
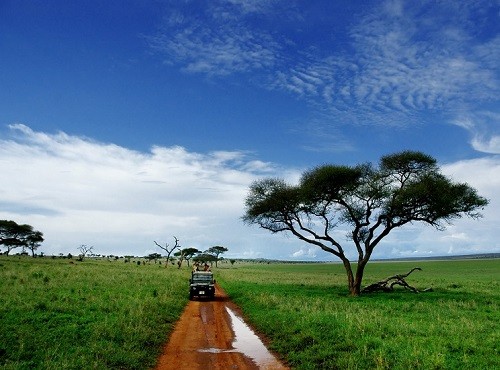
column 212, row 254
column 14, row 235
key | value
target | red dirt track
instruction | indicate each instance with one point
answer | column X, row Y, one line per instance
column 203, row 338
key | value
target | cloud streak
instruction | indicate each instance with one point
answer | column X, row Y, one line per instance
column 403, row 63
column 217, row 45
column 394, row 68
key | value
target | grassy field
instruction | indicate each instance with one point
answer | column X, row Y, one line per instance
column 91, row 315
column 306, row 312
column 114, row 315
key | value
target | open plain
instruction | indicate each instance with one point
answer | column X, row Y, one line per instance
column 108, row 314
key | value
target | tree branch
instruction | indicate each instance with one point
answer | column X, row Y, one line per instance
column 387, row 285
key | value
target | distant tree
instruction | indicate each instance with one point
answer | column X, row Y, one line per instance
column 153, row 257
column 216, row 251
column 406, row 187
column 232, row 262
column 12, row 243
column 34, row 241
column 190, row 253
column 205, row 258
column 84, row 251
column 186, row 254
column 13, row 235
column 169, row 249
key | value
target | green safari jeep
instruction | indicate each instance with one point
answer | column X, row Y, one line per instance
column 202, row 284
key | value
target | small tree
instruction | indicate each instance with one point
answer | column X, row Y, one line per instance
column 34, row 241
column 216, row 251
column 186, row 254
column 153, row 257
column 407, row 187
column 189, row 254
column 169, row 249
column 205, row 258
column 84, row 250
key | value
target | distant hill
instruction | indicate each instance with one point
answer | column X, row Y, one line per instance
column 441, row 258
column 433, row 258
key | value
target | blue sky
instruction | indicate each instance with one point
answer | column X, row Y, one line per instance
column 124, row 122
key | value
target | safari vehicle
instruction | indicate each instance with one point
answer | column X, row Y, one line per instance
column 202, row 284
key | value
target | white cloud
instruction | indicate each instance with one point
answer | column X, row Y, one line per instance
column 487, row 145
column 78, row 191
column 305, row 253
column 484, row 128
column 218, row 45
column 464, row 236
column 252, row 6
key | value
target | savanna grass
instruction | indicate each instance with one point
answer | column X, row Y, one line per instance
column 57, row 314
column 311, row 321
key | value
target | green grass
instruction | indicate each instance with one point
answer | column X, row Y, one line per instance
column 96, row 314
column 115, row 315
column 307, row 314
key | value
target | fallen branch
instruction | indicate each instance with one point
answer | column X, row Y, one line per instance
column 387, row 285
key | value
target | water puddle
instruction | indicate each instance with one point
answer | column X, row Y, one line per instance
column 248, row 343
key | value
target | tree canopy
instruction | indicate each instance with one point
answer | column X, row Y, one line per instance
column 217, row 251
column 372, row 201
column 13, row 235
column 186, row 254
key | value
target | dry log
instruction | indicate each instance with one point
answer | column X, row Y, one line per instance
column 387, row 285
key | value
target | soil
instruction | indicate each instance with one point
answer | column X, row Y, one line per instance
column 203, row 338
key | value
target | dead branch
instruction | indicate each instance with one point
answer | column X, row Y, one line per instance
column 167, row 249
column 387, row 285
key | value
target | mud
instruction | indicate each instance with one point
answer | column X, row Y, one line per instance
column 212, row 335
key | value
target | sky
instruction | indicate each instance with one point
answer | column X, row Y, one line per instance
column 127, row 122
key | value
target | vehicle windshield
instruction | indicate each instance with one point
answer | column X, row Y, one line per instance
column 202, row 278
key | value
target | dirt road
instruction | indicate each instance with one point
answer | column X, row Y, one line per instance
column 212, row 335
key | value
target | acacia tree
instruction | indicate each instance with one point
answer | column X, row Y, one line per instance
column 34, row 241
column 153, row 257
column 205, row 258
column 84, row 251
column 13, row 235
column 216, row 251
column 186, row 254
column 169, row 249
column 406, row 187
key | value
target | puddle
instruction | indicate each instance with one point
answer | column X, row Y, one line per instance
column 215, row 350
column 248, row 343
column 204, row 315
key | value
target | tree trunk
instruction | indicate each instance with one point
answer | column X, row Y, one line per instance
column 387, row 285
column 354, row 281
column 354, row 287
